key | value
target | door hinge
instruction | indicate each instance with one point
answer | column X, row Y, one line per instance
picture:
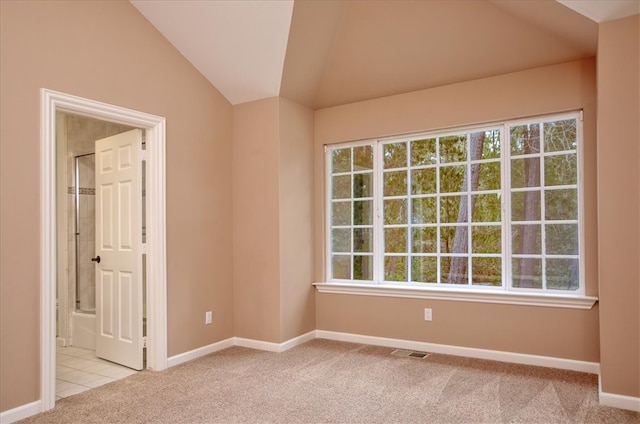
column 144, row 341
column 144, row 248
column 143, row 155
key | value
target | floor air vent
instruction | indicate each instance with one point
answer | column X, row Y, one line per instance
column 411, row 353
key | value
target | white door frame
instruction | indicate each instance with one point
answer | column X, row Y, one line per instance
column 156, row 275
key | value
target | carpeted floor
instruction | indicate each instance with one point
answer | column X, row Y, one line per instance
column 325, row 381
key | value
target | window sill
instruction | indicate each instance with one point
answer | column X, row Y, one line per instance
column 462, row 295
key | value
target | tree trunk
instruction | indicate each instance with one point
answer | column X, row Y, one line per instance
column 531, row 210
column 458, row 270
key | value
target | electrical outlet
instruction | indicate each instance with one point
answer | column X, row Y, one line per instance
column 428, row 314
column 208, row 317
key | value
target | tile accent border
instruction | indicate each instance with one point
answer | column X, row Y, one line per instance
column 83, row 190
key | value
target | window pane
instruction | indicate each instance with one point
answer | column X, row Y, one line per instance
column 451, row 178
column 560, row 170
column 424, row 210
column 561, row 239
column 458, row 273
column 487, row 208
column 341, row 213
column 363, row 240
column 450, row 208
column 363, row 185
column 562, row 274
column 340, row 267
column 425, row 240
column 395, row 240
column 561, row 204
column 491, row 144
column 453, row 148
column 341, row 187
column 461, row 239
column 486, row 239
column 423, row 152
column 489, row 178
column 363, row 267
column 395, row 155
column 525, row 206
column 341, row 160
column 341, row 240
column 486, row 271
column 526, row 239
column 447, row 235
column 527, row 273
column 362, row 158
column 395, row 183
column 525, row 172
column 560, row 135
column 423, row 181
column 363, row 212
column 525, row 139
column 395, row 268
column 424, row 269
column 395, row 211
column 445, row 264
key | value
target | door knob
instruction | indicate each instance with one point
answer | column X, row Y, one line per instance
column 96, row 259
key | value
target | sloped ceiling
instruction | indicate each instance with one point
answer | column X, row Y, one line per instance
column 324, row 53
column 239, row 46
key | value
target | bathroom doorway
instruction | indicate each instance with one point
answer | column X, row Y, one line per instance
column 76, row 285
column 78, row 366
column 53, row 246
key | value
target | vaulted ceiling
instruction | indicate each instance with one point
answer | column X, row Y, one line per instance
column 324, row 53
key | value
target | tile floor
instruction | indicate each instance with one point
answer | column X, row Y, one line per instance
column 79, row 369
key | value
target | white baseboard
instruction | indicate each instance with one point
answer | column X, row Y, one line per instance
column 296, row 341
column 617, row 401
column 199, row 352
column 256, row 344
column 275, row 347
column 494, row 355
column 21, row 412
column 239, row 341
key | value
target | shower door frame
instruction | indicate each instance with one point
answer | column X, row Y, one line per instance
column 156, row 296
column 76, row 306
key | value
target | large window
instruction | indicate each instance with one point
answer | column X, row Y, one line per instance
column 495, row 207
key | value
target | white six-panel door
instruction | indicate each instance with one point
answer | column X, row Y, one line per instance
column 119, row 306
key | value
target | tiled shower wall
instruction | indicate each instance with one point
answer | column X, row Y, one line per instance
column 81, row 135
column 85, row 228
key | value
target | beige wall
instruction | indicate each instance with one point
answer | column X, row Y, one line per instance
column 562, row 333
column 297, row 312
column 273, row 216
column 256, row 241
column 619, row 204
column 107, row 51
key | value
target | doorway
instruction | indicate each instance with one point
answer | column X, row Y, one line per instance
column 76, row 199
column 154, row 267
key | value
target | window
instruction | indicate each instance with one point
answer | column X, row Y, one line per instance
column 494, row 207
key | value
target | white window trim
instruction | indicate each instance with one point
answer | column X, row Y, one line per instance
column 500, row 295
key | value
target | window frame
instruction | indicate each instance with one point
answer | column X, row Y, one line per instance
column 505, row 293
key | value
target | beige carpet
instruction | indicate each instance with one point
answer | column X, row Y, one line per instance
column 333, row 382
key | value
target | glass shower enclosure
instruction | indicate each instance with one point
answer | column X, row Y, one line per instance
column 84, row 187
